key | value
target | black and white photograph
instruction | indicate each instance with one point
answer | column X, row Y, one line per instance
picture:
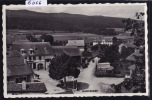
column 75, row 50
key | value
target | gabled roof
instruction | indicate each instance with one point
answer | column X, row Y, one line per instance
column 16, row 38
column 30, row 88
column 40, row 48
column 69, row 50
column 75, row 42
column 16, row 65
column 130, row 45
column 133, row 55
column 132, row 67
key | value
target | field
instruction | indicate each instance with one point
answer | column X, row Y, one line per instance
column 64, row 36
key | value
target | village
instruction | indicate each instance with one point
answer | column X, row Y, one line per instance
column 102, row 65
column 59, row 50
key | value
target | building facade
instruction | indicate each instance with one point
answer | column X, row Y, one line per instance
column 103, row 42
column 38, row 55
column 17, row 70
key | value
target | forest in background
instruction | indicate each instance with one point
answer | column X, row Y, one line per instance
column 30, row 20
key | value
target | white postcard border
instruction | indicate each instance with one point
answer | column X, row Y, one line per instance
column 74, row 95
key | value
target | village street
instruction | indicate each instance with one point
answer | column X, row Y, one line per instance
column 86, row 81
column 95, row 84
column 49, row 83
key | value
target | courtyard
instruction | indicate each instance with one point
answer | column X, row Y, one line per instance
column 87, row 82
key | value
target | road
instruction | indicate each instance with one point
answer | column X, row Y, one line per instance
column 87, row 76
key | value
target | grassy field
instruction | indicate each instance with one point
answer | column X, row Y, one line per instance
column 64, row 36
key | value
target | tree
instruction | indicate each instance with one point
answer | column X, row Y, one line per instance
column 112, row 54
column 95, row 47
column 115, row 40
column 31, row 38
column 47, row 38
column 62, row 66
column 136, row 28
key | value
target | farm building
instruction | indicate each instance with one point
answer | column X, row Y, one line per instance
column 10, row 39
column 103, row 41
column 127, row 45
column 25, row 88
column 79, row 43
column 104, row 70
column 17, row 69
column 37, row 54
column 71, row 51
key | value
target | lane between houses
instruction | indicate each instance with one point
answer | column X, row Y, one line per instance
column 95, row 83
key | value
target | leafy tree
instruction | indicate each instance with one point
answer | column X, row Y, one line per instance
column 31, row 38
column 62, row 66
column 136, row 28
column 95, row 47
column 115, row 40
column 47, row 38
column 112, row 54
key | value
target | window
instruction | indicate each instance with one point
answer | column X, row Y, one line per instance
column 24, row 79
column 29, row 58
column 18, row 80
column 34, row 58
column 31, row 51
column 22, row 51
column 40, row 57
column 47, row 60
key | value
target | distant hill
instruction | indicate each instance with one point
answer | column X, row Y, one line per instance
column 30, row 20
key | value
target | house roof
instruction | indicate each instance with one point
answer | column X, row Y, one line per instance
column 75, row 42
column 130, row 45
column 132, row 67
column 69, row 50
column 9, row 39
column 30, row 87
column 16, row 66
column 40, row 48
column 16, row 38
column 104, row 66
column 133, row 55
column 106, row 39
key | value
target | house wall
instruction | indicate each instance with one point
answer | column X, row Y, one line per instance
column 103, row 42
column 30, row 78
column 42, row 61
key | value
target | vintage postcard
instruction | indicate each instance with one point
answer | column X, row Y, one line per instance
column 81, row 50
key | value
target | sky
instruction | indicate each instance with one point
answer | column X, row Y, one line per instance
column 119, row 10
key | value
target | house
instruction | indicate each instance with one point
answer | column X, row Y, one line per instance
column 10, row 39
column 132, row 57
column 26, row 88
column 127, row 45
column 103, row 41
column 17, row 69
column 104, row 70
column 79, row 43
column 118, row 30
column 126, row 40
column 72, row 51
column 37, row 54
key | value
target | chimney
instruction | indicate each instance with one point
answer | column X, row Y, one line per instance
column 23, row 85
